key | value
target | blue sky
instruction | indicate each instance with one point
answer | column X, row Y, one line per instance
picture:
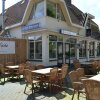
column 89, row 6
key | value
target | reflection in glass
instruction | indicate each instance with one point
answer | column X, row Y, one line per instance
column 38, row 50
column 52, row 49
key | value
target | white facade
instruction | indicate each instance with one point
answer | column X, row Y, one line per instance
column 51, row 26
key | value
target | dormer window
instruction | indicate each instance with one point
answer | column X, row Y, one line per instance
column 38, row 10
column 54, row 10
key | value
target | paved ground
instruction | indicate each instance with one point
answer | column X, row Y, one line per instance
column 13, row 90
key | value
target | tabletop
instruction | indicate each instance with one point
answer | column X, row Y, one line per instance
column 13, row 67
column 43, row 71
column 86, row 63
column 96, row 77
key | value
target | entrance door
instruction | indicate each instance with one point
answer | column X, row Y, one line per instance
column 67, row 53
column 59, row 54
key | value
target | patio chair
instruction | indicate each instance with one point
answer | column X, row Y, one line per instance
column 29, row 66
column 81, row 74
column 39, row 66
column 76, row 83
column 30, row 80
column 9, row 64
column 62, row 75
column 76, row 64
column 52, row 80
column 4, row 73
column 92, row 88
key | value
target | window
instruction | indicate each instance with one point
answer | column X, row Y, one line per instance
column 82, row 49
column 54, row 10
column 52, row 47
column 37, row 10
column 51, row 9
column 72, row 43
column 98, row 49
column 60, row 15
column 35, row 47
column 91, row 49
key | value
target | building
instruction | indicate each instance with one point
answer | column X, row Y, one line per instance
column 56, row 31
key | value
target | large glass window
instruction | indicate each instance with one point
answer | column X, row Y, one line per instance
column 72, row 43
column 82, row 49
column 98, row 49
column 37, row 10
column 52, row 47
column 91, row 49
column 51, row 9
column 35, row 47
column 54, row 10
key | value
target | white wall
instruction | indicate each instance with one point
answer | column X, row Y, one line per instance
column 16, row 32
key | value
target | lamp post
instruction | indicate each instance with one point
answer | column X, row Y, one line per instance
column 3, row 15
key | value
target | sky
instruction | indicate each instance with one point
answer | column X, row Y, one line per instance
column 89, row 6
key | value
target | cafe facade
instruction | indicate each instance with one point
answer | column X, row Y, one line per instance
column 56, row 31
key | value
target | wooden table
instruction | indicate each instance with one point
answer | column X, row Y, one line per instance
column 96, row 77
column 43, row 71
column 13, row 67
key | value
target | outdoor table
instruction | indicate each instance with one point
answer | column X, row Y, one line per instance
column 13, row 67
column 44, row 71
column 96, row 77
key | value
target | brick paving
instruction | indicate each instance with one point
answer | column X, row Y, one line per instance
column 14, row 91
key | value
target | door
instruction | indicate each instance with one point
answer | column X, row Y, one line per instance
column 67, row 53
column 59, row 54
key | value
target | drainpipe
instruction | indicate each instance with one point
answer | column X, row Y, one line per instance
column 3, row 15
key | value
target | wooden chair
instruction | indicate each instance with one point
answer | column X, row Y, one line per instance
column 76, row 83
column 4, row 73
column 9, row 64
column 30, row 80
column 39, row 66
column 92, row 88
column 76, row 64
column 52, row 80
column 29, row 66
column 81, row 74
column 62, row 75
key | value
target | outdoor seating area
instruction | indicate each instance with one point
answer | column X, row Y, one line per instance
column 50, row 81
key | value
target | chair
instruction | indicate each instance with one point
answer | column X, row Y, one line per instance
column 4, row 73
column 81, row 74
column 76, row 83
column 30, row 80
column 62, row 75
column 29, row 66
column 92, row 88
column 39, row 66
column 9, row 64
column 52, row 79
column 21, row 69
column 76, row 64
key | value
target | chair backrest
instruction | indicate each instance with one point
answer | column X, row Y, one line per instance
column 9, row 64
column 76, row 64
column 2, row 69
column 64, row 71
column 21, row 68
column 28, row 76
column 92, row 88
column 81, row 72
column 53, row 74
column 39, row 66
column 73, row 76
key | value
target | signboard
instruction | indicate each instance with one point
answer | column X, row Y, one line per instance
column 31, row 27
column 68, row 32
column 7, row 47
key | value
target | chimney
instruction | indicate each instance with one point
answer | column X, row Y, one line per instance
column 68, row 2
